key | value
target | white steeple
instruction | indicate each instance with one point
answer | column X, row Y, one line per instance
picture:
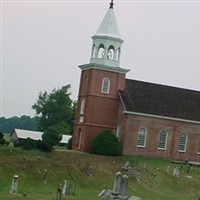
column 107, row 41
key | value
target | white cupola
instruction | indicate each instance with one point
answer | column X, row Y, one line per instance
column 107, row 41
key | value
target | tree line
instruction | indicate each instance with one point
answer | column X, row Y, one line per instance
column 24, row 122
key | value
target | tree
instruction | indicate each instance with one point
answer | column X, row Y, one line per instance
column 55, row 111
column 2, row 140
column 106, row 144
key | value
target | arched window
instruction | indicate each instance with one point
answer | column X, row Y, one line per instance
column 82, row 110
column 117, row 54
column 101, row 51
column 105, row 87
column 141, row 142
column 111, row 52
column 163, row 140
column 182, row 142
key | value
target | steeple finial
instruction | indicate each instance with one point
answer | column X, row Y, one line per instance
column 111, row 4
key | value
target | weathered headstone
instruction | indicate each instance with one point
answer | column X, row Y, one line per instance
column 117, row 182
column 123, row 188
column 59, row 193
column 176, row 172
column 145, row 167
column 120, row 187
column 14, row 184
column 64, row 188
column 104, row 194
column 45, row 176
column 126, row 166
column 168, row 168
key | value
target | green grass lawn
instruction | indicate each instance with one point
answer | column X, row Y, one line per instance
column 92, row 174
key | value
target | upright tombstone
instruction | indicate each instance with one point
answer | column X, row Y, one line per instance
column 120, row 187
column 59, row 193
column 117, row 182
column 126, row 166
column 64, row 188
column 176, row 172
column 123, row 188
column 168, row 169
column 14, row 184
column 45, row 176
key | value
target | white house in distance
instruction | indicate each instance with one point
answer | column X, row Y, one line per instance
column 18, row 135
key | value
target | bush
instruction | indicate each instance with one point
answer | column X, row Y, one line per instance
column 51, row 137
column 105, row 144
column 19, row 144
column 44, row 146
column 29, row 144
column 7, row 143
column 1, row 135
column 2, row 141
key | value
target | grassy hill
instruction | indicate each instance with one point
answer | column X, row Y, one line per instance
column 90, row 174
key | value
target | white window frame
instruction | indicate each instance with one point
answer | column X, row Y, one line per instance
column 119, row 133
column 180, row 143
column 105, row 87
column 140, row 139
column 160, row 144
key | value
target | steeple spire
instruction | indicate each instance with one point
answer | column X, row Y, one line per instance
column 111, row 4
column 107, row 41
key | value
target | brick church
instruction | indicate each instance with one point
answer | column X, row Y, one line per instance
column 148, row 119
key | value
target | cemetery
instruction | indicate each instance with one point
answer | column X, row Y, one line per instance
column 61, row 175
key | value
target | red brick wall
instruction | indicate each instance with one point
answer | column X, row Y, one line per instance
column 100, row 109
column 154, row 126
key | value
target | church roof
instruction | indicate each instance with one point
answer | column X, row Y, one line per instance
column 108, row 26
column 161, row 100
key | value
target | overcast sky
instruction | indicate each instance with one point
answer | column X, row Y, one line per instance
column 44, row 42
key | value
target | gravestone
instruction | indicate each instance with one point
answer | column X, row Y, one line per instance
column 123, row 187
column 120, row 187
column 168, row 169
column 119, row 192
column 104, row 194
column 117, row 182
column 59, row 193
column 64, row 188
column 126, row 166
column 14, row 184
column 176, row 172
column 44, row 176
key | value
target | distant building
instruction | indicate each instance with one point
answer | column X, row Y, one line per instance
column 19, row 135
column 65, row 139
column 148, row 119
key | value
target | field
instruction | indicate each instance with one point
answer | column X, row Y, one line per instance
column 90, row 174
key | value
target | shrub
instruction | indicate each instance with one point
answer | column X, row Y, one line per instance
column 44, row 146
column 7, row 143
column 105, row 144
column 29, row 144
column 51, row 137
column 1, row 135
column 2, row 141
column 18, row 144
